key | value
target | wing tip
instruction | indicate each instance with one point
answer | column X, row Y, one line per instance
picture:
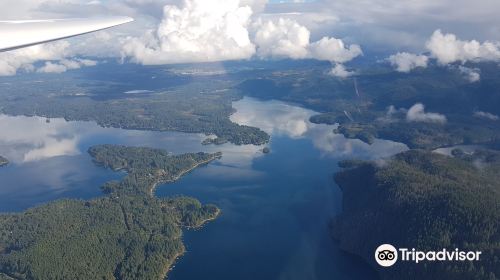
column 25, row 27
column 119, row 20
column 128, row 19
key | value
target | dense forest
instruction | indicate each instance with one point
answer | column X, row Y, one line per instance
column 3, row 161
column 428, row 201
column 127, row 234
column 146, row 167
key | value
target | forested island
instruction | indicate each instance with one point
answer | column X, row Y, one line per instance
column 126, row 234
column 3, row 161
column 428, row 201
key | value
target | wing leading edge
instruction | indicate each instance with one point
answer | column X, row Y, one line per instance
column 20, row 34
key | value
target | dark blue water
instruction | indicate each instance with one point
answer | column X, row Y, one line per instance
column 274, row 223
column 275, row 208
column 27, row 185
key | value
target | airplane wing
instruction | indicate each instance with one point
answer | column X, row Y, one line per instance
column 20, row 34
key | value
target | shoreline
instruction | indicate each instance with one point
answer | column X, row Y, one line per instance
column 182, row 173
column 169, row 266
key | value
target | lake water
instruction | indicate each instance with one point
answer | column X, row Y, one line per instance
column 275, row 207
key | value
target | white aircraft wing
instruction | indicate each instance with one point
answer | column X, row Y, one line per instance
column 20, row 34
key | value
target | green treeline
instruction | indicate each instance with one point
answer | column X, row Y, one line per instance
column 426, row 201
column 146, row 167
column 127, row 234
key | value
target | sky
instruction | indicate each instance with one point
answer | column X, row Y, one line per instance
column 413, row 33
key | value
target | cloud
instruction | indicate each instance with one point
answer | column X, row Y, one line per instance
column 386, row 25
column 279, row 118
column 256, row 5
column 379, row 26
column 55, row 54
column 65, row 65
column 199, row 31
column 417, row 114
column 177, row 31
column 52, row 68
column 486, row 115
column 405, row 62
column 11, row 62
column 447, row 48
column 284, row 38
column 340, row 71
column 393, row 114
column 214, row 30
column 53, row 148
column 31, row 139
column 471, row 74
column 334, row 50
column 287, row 38
column 100, row 44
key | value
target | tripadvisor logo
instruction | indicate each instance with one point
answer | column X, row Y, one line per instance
column 387, row 255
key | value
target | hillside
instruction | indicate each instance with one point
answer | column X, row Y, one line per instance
column 426, row 201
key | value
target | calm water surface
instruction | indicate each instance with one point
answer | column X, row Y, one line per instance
column 275, row 207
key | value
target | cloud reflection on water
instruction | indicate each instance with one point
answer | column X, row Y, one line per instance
column 26, row 139
column 281, row 119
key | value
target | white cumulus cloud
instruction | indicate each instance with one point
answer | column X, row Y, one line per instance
column 334, row 50
column 417, row 114
column 214, row 30
column 65, row 65
column 284, row 38
column 11, row 62
column 405, row 62
column 339, row 71
column 447, row 48
column 199, row 31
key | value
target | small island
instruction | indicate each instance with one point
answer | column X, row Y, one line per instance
column 424, row 200
column 3, row 161
column 126, row 234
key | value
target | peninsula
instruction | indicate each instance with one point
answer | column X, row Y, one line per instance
column 126, row 234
